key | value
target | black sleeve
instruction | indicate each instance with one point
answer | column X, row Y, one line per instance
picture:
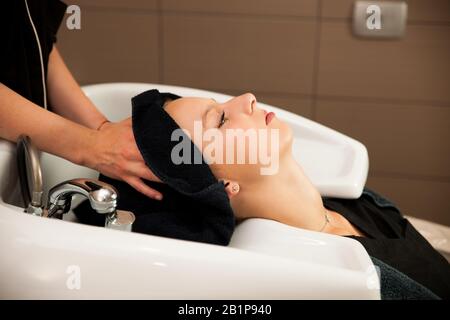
column 55, row 14
column 20, row 63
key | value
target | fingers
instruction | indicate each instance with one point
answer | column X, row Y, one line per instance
column 140, row 169
column 134, row 154
column 147, row 174
column 140, row 186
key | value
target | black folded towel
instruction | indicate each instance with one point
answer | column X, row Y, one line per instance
column 195, row 205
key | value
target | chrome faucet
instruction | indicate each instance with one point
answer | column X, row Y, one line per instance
column 102, row 198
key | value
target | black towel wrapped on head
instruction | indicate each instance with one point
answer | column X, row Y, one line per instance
column 195, row 205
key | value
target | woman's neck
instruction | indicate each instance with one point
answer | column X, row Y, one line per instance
column 287, row 197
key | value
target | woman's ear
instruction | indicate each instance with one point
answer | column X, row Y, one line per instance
column 231, row 187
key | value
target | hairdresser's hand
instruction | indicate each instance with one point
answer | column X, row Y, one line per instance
column 115, row 154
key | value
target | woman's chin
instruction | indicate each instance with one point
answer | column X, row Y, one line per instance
column 286, row 138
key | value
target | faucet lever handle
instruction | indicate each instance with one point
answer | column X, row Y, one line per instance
column 93, row 185
column 101, row 195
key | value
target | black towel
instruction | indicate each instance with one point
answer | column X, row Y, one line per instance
column 195, row 205
column 395, row 285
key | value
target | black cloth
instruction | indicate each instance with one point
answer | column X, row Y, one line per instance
column 392, row 239
column 178, row 216
column 20, row 66
column 395, row 285
column 153, row 129
column 195, row 205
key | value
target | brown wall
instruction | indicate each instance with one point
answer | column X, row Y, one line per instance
column 393, row 95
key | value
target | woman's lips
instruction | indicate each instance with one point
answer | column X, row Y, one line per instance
column 269, row 117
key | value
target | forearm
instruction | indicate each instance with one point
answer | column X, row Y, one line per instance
column 66, row 97
column 50, row 132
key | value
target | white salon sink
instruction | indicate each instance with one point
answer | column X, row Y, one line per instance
column 46, row 258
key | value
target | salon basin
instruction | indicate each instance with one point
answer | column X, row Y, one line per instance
column 49, row 258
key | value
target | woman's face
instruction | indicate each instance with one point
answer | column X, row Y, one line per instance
column 237, row 138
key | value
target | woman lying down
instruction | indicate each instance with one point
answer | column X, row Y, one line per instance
column 211, row 181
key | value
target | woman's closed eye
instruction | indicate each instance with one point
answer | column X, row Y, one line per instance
column 223, row 119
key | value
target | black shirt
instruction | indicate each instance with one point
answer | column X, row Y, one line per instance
column 20, row 66
column 392, row 239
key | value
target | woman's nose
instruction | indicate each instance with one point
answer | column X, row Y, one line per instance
column 244, row 103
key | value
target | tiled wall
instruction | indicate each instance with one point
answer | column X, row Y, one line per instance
column 393, row 95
